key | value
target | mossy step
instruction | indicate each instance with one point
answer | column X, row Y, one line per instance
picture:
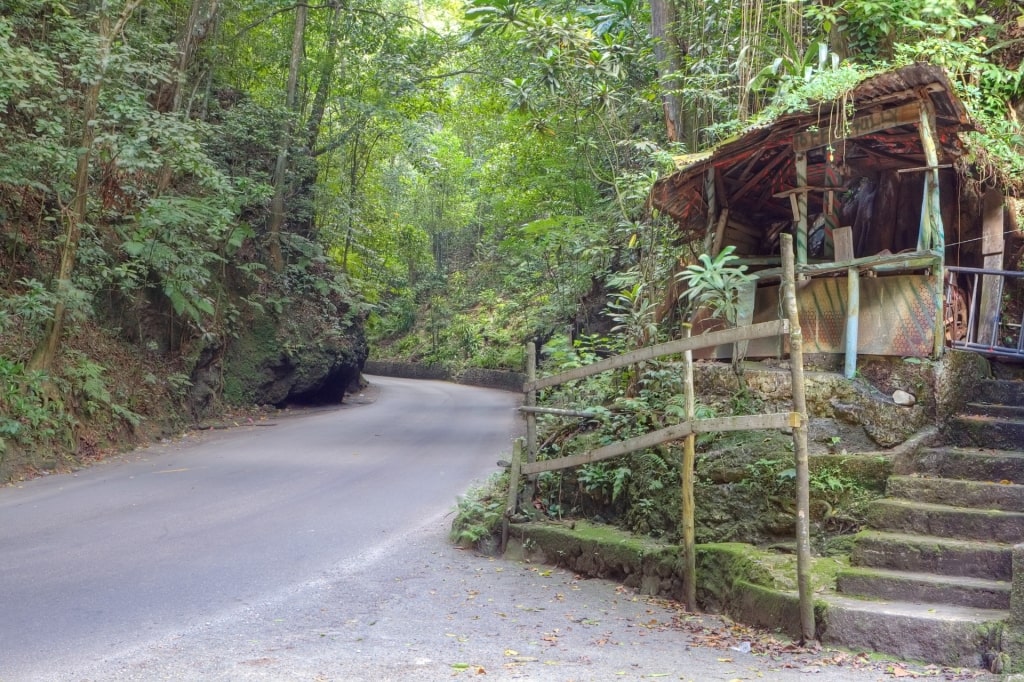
column 926, row 554
column 1001, row 391
column 940, row 634
column 978, row 430
column 927, row 588
column 996, row 410
column 964, row 463
column 958, row 493
column 941, row 520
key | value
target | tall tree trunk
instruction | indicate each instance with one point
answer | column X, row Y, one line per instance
column 668, row 53
column 169, row 98
column 281, row 167
column 327, row 66
column 78, row 212
column 306, row 184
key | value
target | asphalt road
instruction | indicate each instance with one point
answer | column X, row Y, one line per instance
column 131, row 551
column 314, row 548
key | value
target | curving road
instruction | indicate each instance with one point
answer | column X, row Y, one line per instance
column 314, row 549
column 129, row 552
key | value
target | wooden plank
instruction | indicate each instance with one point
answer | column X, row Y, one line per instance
column 709, row 340
column 992, row 251
column 843, row 240
column 755, row 422
column 892, row 117
column 992, row 241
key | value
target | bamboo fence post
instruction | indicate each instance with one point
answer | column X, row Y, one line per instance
column 796, row 361
column 688, row 506
column 531, row 417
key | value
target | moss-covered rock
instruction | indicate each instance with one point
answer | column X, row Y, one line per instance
column 279, row 359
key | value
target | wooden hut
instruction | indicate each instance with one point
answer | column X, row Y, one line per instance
column 893, row 234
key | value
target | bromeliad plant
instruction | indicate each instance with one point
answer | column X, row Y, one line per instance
column 717, row 284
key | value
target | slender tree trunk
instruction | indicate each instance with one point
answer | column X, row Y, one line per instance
column 352, row 181
column 281, row 167
column 197, row 28
column 327, row 67
column 78, row 212
column 667, row 53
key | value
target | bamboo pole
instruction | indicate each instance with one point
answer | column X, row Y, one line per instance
column 796, row 362
column 749, row 422
column 688, row 505
column 708, row 340
column 558, row 412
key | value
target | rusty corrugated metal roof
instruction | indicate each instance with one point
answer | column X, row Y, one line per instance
column 680, row 194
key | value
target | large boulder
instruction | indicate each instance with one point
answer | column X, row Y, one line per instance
column 296, row 357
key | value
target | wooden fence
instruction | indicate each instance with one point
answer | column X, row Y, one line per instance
column 526, row 464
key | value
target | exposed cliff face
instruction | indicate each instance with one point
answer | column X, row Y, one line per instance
column 311, row 352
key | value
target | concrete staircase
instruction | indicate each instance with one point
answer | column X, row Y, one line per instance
column 930, row 578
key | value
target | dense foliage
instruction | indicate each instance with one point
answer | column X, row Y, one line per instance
column 191, row 187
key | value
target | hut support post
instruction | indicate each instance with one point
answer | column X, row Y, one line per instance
column 852, row 321
column 931, row 234
column 796, row 362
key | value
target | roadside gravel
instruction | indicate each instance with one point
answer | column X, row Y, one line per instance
column 417, row 609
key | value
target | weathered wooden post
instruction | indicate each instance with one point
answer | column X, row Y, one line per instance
column 513, row 490
column 531, row 417
column 688, row 505
column 796, row 363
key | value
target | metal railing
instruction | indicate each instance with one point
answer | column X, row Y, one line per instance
column 989, row 317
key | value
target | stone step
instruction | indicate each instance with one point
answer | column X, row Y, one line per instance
column 922, row 518
column 957, row 636
column 995, row 410
column 1001, row 391
column 982, row 431
column 963, row 463
column 925, row 554
column 927, row 588
column 957, row 493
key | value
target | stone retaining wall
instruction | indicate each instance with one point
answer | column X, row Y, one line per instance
column 471, row 376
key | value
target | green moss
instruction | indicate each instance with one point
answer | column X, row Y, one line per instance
column 245, row 360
